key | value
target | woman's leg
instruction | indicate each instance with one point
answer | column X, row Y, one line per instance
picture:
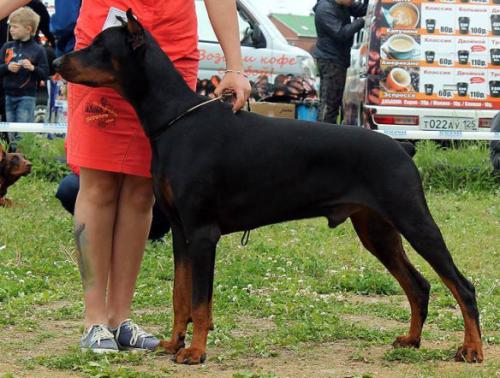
column 95, row 215
column 133, row 221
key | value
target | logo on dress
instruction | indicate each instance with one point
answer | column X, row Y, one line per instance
column 102, row 113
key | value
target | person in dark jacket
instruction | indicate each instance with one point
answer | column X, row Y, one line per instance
column 44, row 24
column 68, row 190
column 23, row 64
column 63, row 23
column 4, row 31
column 333, row 49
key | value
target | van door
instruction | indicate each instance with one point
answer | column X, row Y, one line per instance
column 256, row 46
column 356, row 79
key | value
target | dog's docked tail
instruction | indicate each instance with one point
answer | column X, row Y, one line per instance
column 409, row 148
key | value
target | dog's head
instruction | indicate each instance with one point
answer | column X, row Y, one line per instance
column 113, row 57
column 12, row 167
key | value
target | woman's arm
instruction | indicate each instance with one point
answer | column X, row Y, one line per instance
column 9, row 6
column 224, row 20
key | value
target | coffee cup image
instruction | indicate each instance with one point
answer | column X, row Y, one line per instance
column 404, row 16
column 463, row 25
column 429, row 89
column 495, row 88
column 463, row 56
column 495, row 57
column 429, row 56
column 462, row 88
column 401, row 46
column 399, row 80
column 495, row 24
column 430, row 25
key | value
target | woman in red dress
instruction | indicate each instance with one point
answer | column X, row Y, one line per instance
column 113, row 207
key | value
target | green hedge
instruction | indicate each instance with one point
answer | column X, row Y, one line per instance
column 46, row 155
column 461, row 166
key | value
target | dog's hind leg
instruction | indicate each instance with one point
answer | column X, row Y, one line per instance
column 201, row 250
column 384, row 241
column 418, row 227
column 182, row 292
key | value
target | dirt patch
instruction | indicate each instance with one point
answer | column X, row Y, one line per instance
column 338, row 359
column 250, row 326
column 374, row 322
column 39, row 372
column 369, row 299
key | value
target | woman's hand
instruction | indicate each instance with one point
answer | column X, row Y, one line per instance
column 237, row 83
column 8, row 6
column 224, row 18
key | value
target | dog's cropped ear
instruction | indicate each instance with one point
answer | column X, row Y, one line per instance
column 136, row 31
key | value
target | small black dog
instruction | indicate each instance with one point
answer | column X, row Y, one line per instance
column 216, row 172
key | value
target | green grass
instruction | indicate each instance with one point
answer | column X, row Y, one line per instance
column 296, row 287
column 465, row 166
column 415, row 356
column 45, row 155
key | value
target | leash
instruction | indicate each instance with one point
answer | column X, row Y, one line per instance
column 245, row 238
column 155, row 135
column 220, row 98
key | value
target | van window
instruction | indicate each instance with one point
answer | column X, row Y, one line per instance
column 205, row 31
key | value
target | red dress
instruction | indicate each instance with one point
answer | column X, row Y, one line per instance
column 104, row 132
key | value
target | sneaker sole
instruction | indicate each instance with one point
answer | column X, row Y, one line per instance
column 136, row 350
column 100, row 351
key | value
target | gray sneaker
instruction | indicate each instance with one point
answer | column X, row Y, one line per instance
column 98, row 339
column 129, row 336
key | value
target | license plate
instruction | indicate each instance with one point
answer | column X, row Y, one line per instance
column 448, row 123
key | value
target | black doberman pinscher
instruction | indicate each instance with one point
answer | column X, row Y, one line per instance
column 216, row 172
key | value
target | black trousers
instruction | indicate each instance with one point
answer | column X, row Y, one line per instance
column 332, row 86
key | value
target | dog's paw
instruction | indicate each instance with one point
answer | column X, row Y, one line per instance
column 190, row 356
column 172, row 346
column 469, row 353
column 406, row 342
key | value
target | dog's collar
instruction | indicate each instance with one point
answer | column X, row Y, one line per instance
column 157, row 133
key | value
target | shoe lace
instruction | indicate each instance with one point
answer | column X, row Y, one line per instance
column 137, row 332
column 101, row 333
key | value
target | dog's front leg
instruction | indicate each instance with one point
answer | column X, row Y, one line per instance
column 182, row 292
column 202, row 245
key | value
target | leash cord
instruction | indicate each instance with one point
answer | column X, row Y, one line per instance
column 190, row 110
column 220, row 98
column 245, row 238
column 155, row 135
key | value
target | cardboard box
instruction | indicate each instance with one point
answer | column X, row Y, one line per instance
column 271, row 109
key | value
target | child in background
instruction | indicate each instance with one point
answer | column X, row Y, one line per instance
column 23, row 64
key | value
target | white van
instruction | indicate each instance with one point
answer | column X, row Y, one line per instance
column 427, row 65
column 265, row 50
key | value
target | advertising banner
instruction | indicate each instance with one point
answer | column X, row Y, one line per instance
column 442, row 53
